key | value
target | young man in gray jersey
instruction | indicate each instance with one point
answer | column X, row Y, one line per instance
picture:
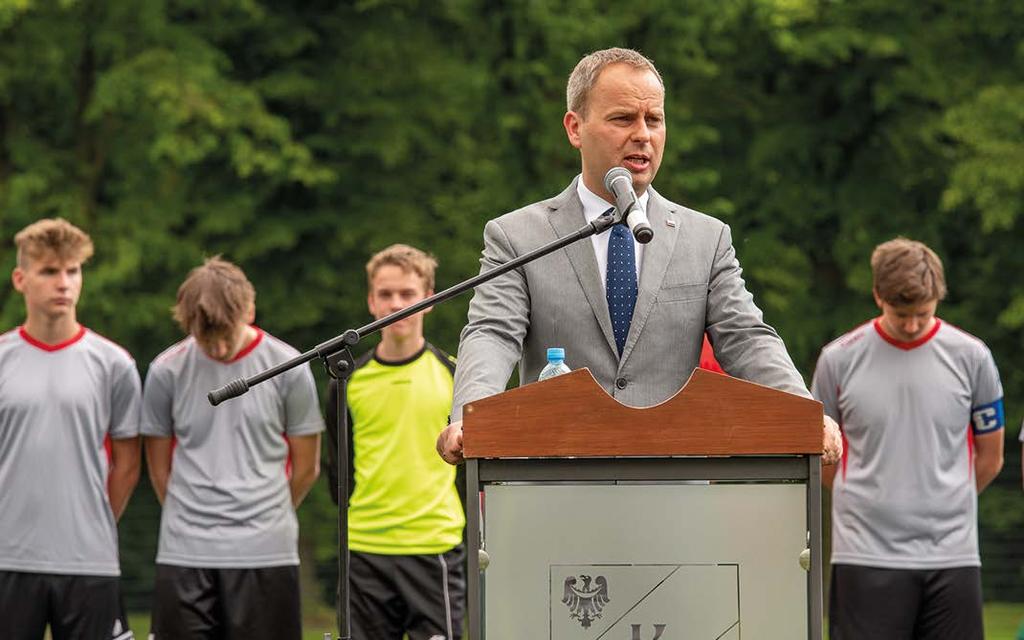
column 69, row 450
column 227, row 564
column 920, row 406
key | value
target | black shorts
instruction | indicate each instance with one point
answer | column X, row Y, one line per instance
column 76, row 607
column 421, row 595
column 249, row 604
column 905, row 604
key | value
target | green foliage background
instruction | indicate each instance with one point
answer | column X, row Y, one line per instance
column 297, row 138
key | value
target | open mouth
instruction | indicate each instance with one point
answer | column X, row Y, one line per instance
column 637, row 162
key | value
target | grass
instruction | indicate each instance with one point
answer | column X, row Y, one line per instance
column 1003, row 619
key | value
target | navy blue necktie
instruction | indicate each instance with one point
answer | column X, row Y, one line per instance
column 620, row 284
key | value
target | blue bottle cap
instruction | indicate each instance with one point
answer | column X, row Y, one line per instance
column 556, row 353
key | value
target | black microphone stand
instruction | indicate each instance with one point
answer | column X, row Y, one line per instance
column 336, row 354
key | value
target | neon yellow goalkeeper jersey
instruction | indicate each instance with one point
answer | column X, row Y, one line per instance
column 404, row 500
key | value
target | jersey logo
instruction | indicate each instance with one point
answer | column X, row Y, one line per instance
column 988, row 417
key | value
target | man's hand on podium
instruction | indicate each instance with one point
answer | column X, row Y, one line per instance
column 449, row 443
column 832, row 442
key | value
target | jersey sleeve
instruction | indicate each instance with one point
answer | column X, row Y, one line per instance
column 125, row 401
column 824, row 387
column 301, row 403
column 158, row 403
column 987, row 412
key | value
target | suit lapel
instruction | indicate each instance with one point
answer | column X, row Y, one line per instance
column 657, row 255
column 566, row 217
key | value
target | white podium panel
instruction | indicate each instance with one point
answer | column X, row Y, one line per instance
column 643, row 561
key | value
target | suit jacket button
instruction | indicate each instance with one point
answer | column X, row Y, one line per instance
column 620, row 383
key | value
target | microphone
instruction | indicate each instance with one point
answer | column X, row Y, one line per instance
column 619, row 182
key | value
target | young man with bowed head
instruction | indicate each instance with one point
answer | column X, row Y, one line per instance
column 66, row 395
column 405, row 516
column 920, row 406
column 227, row 564
column 634, row 314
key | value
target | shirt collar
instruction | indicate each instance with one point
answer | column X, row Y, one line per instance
column 594, row 205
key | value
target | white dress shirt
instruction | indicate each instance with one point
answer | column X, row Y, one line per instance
column 593, row 206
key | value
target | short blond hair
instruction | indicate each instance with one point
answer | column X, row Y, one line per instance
column 906, row 272
column 213, row 299
column 54, row 236
column 589, row 68
column 406, row 258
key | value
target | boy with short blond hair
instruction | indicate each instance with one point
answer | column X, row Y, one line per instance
column 920, row 406
column 408, row 259
column 404, row 529
column 227, row 564
column 66, row 394
column 53, row 237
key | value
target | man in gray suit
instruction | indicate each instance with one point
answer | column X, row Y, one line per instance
column 634, row 314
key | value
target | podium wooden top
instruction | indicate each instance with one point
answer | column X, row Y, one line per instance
column 572, row 416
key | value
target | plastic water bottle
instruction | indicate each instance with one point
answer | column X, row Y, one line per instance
column 556, row 364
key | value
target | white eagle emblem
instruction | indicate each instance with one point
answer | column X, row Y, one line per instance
column 585, row 603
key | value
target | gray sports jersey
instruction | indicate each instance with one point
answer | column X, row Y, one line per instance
column 228, row 504
column 904, row 494
column 58, row 403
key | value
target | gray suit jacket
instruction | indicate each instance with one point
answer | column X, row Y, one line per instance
column 690, row 282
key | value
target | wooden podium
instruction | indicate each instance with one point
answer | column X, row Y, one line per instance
column 689, row 519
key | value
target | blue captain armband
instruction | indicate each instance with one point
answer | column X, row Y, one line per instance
column 988, row 417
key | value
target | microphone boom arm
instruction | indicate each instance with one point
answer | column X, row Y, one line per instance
column 352, row 337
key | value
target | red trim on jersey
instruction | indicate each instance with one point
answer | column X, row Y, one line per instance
column 846, row 450
column 288, row 459
column 108, row 448
column 850, row 337
column 967, row 334
column 172, row 351
column 112, row 343
column 707, row 357
column 51, row 347
column 970, row 448
column 907, row 346
column 249, row 347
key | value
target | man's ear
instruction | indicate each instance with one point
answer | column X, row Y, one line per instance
column 878, row 298
column 572, row 122
column 18, row 279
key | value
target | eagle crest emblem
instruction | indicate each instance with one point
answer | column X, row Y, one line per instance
column 585, row 602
